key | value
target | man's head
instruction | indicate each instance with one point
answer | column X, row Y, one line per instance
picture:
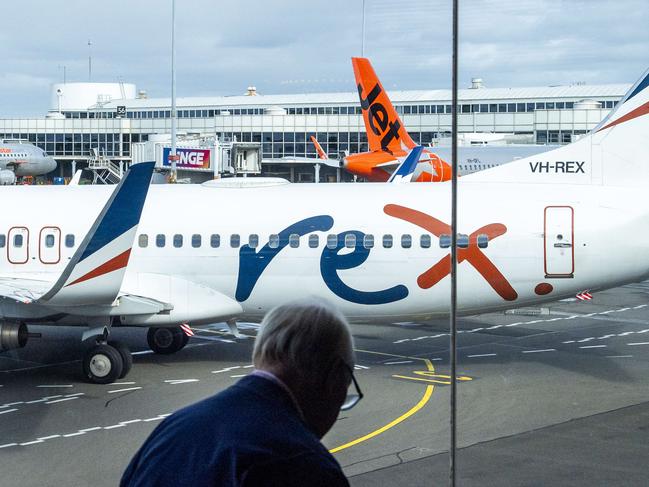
column 307, row 344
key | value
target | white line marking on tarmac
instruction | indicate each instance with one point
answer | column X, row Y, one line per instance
column 7, row 445
column 54, row 386
column 114, row 426
column 31, row 442
column 64, row 399
column 619, row 356
column 540, row 351
column 638, row 343
column 9, row 404
column 482, row 355
column 130, row 421
column 78, row 433
column 227, row 369
column 361, row 367
column 237, row 376
column 594, row 346
column 75, row 394
column 124, row 390
column 8, row 411
column 398, row 363
column 175, row 382
column 122, row 383
column 142, row 352
column 88, row 430
column 43, row 399
column 45, row 438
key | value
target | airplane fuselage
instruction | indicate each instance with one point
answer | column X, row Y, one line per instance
column 518, row 245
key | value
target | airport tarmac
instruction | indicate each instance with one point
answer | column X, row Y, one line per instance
column 560, row 398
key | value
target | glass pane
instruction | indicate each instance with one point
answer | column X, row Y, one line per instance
column 387, row 241
column 314, row 241
column 368, row 241
column 235, row 240
column 215, row 240
column 273, row 241
column 178, row 240
column 49, row 241
column 69, row 240
column 253, row 241
column 425, row 241
column 294, row 240
column 160, row 240
column 196, row 240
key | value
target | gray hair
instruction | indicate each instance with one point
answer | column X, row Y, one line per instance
column 305, row 336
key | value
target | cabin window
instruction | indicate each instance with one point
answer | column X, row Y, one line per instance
column 445, row 241
column 462, row 241
column 196, row 240
column 387, row 241
column 314, row 241
column 69, row 240
column 49, row 241
column 160, row 240
column 253, row 241
column 18, row 241
column 332, row 241
column 215, row 240
column 3, row 240
column 368, row 241
column 350, row 240
column 483, row 241
column 273, row 241
column 425, row 241
column 143, row 240
column 235, row 240
column 294, row 240
column 406, row 241
column 178, row 240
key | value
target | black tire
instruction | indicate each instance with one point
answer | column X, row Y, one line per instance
column 127, row 358
column 102, row 364
column 166, row 341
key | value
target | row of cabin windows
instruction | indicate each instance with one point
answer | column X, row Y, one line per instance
column 50, row 240
column 313, row 241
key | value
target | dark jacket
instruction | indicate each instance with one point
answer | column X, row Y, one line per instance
column 247, row 435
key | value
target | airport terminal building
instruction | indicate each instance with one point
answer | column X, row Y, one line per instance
column 90, row 119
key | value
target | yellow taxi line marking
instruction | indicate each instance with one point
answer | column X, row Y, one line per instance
column 422, row 402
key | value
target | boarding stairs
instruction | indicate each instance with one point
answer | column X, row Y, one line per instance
column 104, row 171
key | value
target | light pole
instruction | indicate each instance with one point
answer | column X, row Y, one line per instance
column 172, row 156
column 89, row 61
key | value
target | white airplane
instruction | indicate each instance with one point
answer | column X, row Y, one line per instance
column 19, row 158
column 534, row 230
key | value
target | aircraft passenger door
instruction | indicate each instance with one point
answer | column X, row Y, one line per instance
column 558, row 237
column 18, row 245
column 49, row 245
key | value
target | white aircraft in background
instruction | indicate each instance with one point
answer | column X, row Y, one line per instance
column 18, row 158
column 534, row 230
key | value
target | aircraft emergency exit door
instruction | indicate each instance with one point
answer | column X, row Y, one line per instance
column 558, row 237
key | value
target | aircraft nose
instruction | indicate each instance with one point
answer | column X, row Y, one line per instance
column 51, row 164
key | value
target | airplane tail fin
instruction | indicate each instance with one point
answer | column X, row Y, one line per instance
column 612, row 154
column 384, row 128
column 406, row 169
column 321, row 153
column 94, row 274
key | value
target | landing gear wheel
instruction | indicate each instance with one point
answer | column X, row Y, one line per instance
column 102, row 364
column 166, row 341
column 127, row 358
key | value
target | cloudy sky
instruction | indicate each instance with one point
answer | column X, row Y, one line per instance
column 291, row 46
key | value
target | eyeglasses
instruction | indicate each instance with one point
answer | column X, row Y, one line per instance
column 352, row 399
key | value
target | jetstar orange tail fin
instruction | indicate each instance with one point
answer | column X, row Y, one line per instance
column 385, row 130
column 318, row 148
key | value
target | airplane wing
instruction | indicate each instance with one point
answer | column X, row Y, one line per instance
column 94, row 274
column 23, row 290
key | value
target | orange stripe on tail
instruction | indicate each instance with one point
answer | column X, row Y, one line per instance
column 112, row 265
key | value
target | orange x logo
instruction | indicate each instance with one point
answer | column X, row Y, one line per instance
column 472, row 254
